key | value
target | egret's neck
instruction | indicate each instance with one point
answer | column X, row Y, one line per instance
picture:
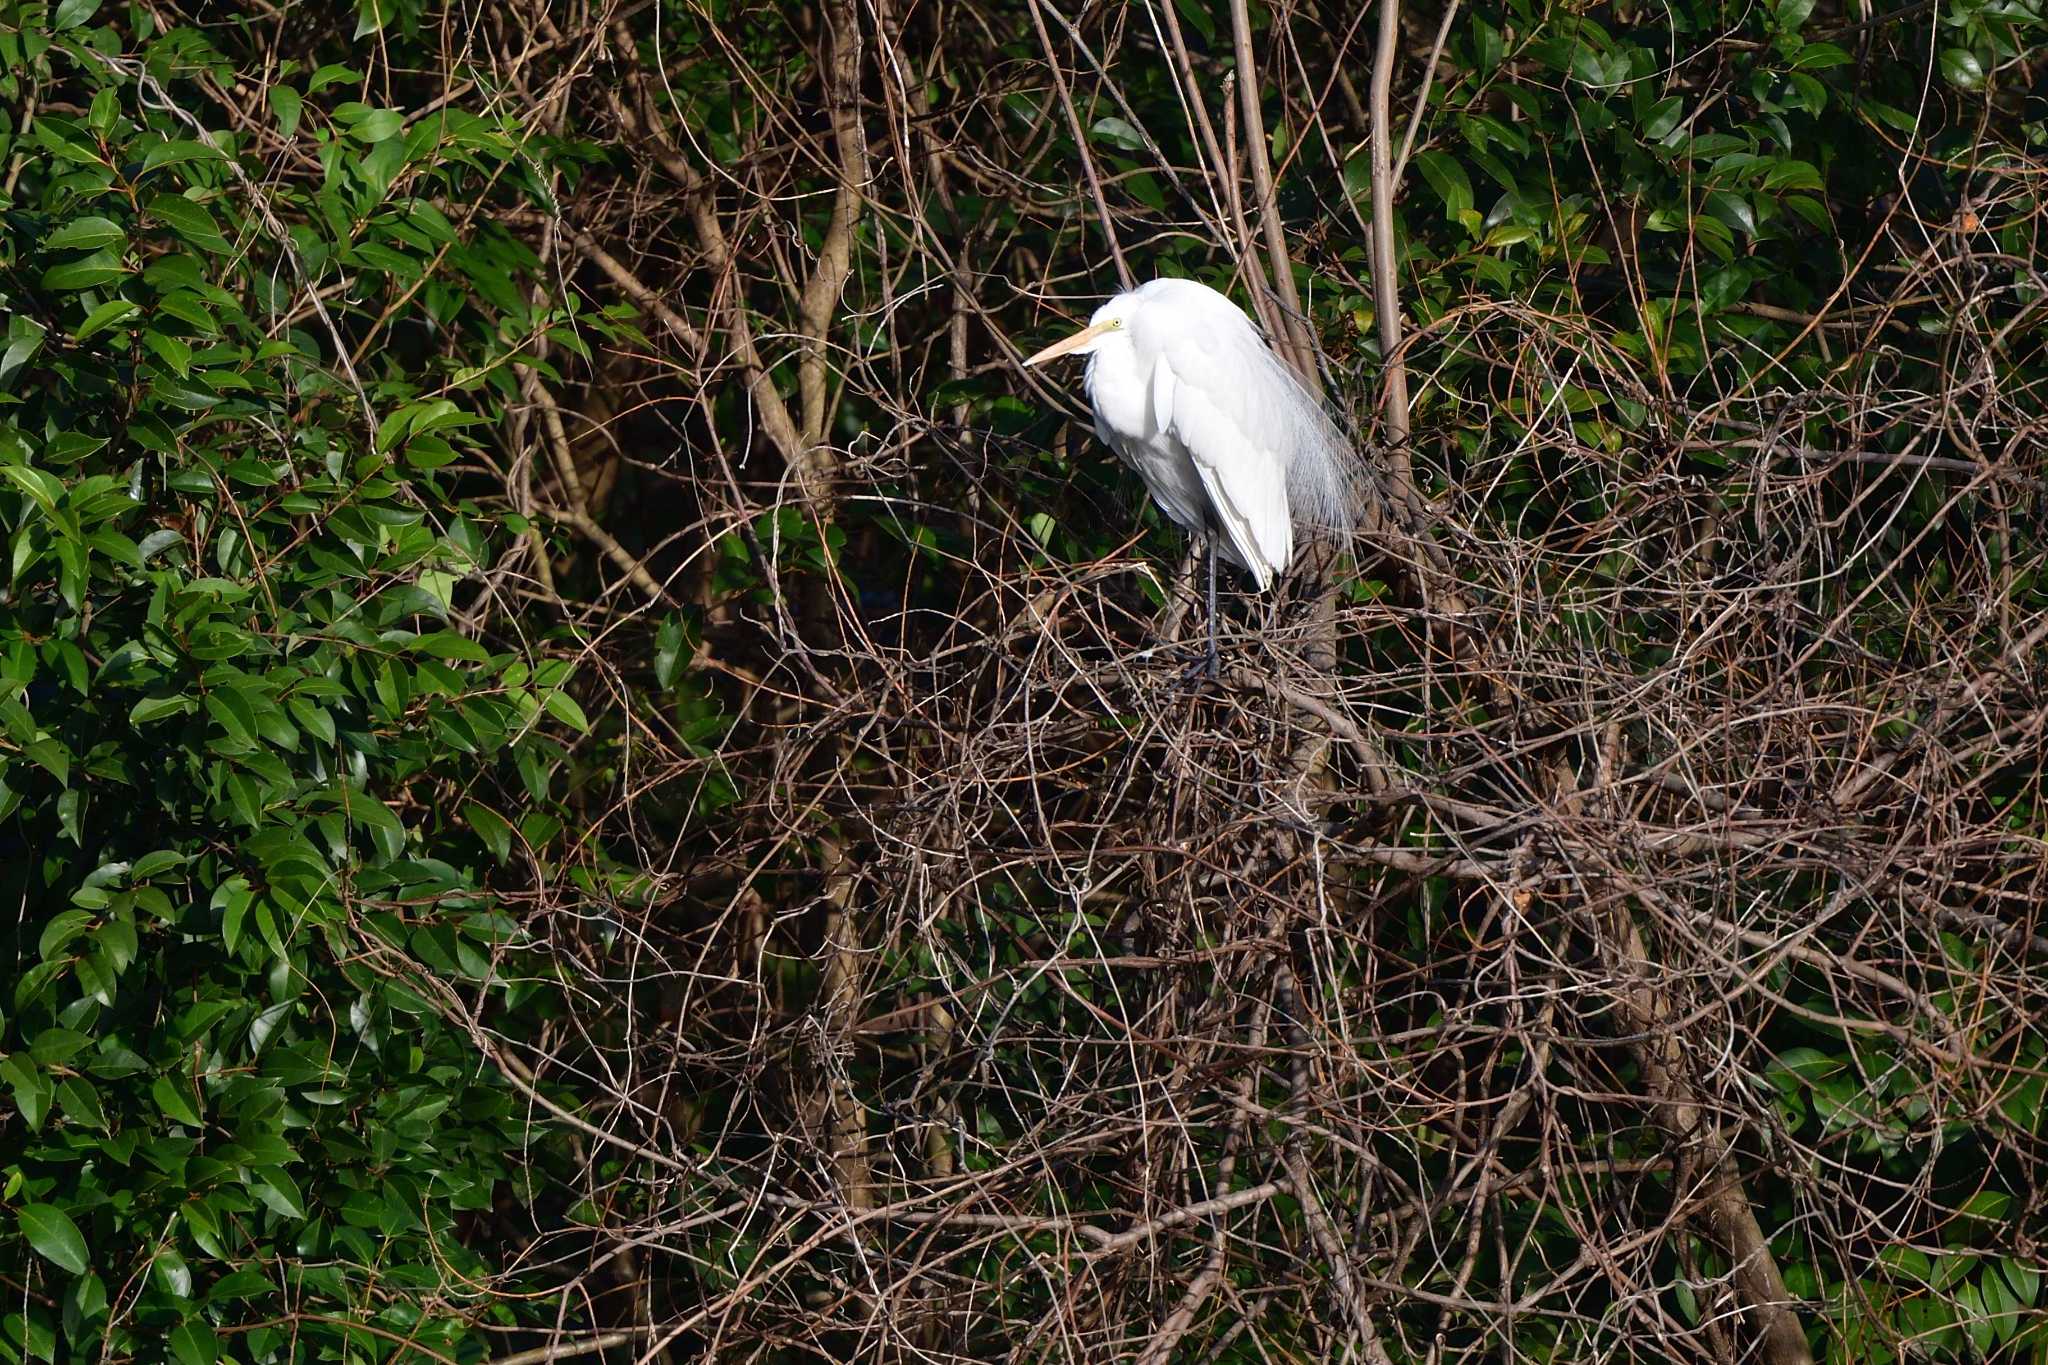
column 1119, row 391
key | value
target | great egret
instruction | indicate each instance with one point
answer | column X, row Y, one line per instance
column 1228, row 442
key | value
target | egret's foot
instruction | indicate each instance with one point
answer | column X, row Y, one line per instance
column 1206, row 667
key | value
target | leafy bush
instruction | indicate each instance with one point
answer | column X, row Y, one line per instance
column 251, row 766
column 536, row 591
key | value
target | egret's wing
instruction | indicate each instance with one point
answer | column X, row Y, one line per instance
column 1247, row 488
column 1210, row 410
column 1257, row 406
column 1163, row 385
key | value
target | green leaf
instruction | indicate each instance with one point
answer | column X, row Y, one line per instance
column 491, row 828
column 446, row 644
column 1793, row 175
column 1998, row 1306
column 1960, row 67
column 192, row 221
column 392, row 428
column 1732, row 209
column 187, row 308
column 175, row 1100
column 312, row 719
column 563, row 708
column 119, row 942
column 106, row 315
column 668, row 651
column 246, row 1283
column 22, row 348
column 88, row 273
column 71, row 13
column 1448, row 179
column 53, row 757
column 385, row 828
column 279, row 1192
column 52, row 1233
column 58, row 934
column 1988, row 1205
column 1973, row 1318
column 331, row 74
column 377, row 256
column 1791, row 14
column 86, row 234
column 95, row 980
column 1662, row 117
column 286, row 104
column 429, row 452
column 175, row 352
column 1819, row 57
column 156, row 708
column 1898, row 120
column 56, row 1046
column 1809, row 1064
column 1197, row 12
column 82, row 1103
column 194, row 1343
column 231, row 711
column 32, row 1090
column 172, row 1274
column 232, row 899
column 378, row 125
column 150, row 864
column 1903, row 1260
column 1118, row 133
column 1488, row 47
column 177, row 150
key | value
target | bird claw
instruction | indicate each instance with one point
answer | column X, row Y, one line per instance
column 1206, row 668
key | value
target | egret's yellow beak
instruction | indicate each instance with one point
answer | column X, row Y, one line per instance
column 1071, row 344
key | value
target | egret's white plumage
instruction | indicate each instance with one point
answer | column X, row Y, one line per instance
column 1228, row 442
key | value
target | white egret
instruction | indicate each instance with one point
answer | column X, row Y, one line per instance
column 1228, row 442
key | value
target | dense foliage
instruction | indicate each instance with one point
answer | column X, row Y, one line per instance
column 255, row 772
column 590, row 769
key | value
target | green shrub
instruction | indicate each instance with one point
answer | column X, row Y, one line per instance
column 247, row 749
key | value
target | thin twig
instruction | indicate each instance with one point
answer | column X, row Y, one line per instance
column 1436, row 52
column 1385, row 266
column 1066, row 99
column 1294, row 338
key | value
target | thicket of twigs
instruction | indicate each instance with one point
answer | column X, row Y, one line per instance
column 1625, row 947
column 1598, row 913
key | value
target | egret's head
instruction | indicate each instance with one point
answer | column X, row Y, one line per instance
column 1109, row 322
